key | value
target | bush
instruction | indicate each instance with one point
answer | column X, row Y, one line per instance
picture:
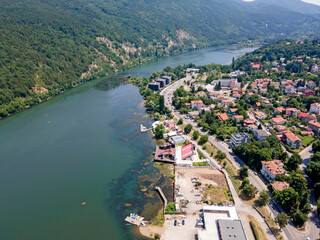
column 196, row 135
column 156, row 236
column 180, row 121
column 171, row 208
column 254, row 230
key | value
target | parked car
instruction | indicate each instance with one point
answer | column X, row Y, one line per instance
column 184, row 211
column 175, row 222
column 184, row 206
column 182, row 222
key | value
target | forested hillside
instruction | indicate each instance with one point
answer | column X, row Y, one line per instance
column 49, row 46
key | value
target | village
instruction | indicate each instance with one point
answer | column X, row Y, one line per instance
column 228, row 124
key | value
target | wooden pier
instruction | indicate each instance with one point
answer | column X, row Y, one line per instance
column 164, row 199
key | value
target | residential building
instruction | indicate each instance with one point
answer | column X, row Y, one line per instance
column 260, row 135
column 237, row 118
column 277, row 185
column 228, row 83
column 236, row 73
column 308, row 92
column 240, row 138
column 315, row 108
column 162, row 82
column 226, row 102
column 194, row 104
column 278, row 121
column 278, row 110
column 154, row 86
column 280, row 128
column 200, row 94
column 289, row 89
column 223, row 117
column 306, row 133
column 292, row 112
column 168, row 79
column 263, row 91
column 311, row 84
column 232, row 111
column 291, row 139
column 270, row 169
column 305, row 117
column 315, row 126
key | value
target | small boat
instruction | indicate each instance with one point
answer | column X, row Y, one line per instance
column 83, row 203
column 135, row 219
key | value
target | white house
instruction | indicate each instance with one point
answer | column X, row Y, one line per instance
column 270, row 169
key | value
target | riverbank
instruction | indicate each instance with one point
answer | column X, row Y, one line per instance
column 20, row 105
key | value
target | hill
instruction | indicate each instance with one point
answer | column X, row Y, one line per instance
column 49, row 46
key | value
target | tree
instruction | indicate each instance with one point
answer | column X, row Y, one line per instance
column 243, row 172
column 299, row 183
column 203, row 139
column 159, row 131
column 316, row 188
column 249, row 191
column 282, row 220
column 315, row 157
column 161, row 104
column 299, row 218
column 218, row 86
column 316, row 147
column 196, row 135
column 245, row 182
column 318, row 206
column 180, row 121
column 288, row 199
column 294, row 161
column 156, row 236
column 188, row 128
column 313, row 171
column 264, row 198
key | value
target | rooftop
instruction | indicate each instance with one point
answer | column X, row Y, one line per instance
column 291, row 136
column 274, row 167
column 231, row 229
column 178, row 139
column 223, row 117
column 279, row 185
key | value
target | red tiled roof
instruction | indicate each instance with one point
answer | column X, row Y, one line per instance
column 279, row 185
column 278, row 120
column 303, row 115
column 196, row 102
column 314, row 123
column 223, row 117
column 274, row 167
column 291, row 136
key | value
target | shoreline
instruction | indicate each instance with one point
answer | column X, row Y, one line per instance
column 238, row 45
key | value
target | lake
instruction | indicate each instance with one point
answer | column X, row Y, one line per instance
column 84, row 145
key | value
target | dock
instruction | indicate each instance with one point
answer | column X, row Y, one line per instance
column 144, row 129
column 163, row 197
column 135, row 219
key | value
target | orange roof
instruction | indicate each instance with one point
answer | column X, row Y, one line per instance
column 274, row 167
column 280, row 109
column 223, row 117
column 314, row 123
column 291, row 136
column 280, row 128
column 278, row 120
column 226, row 100
column 315, row 104
column 195, row 102
column 279, row 185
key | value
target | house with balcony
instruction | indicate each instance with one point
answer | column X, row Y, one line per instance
column 270, row 169
column 260, row 135
column 238, row 139
column 291, row 139
column 315, row 108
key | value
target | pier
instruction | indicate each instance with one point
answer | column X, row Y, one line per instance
column 144, row 129
column 165, row 201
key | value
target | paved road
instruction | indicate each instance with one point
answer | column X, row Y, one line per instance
column 312, row 226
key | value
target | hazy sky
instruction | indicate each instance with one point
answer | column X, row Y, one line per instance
column 317, row 2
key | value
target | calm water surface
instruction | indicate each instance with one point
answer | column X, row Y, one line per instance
column 84, row 145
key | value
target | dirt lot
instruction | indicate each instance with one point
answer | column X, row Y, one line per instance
column 189, row 193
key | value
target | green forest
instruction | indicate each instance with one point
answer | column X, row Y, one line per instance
column 47, row 47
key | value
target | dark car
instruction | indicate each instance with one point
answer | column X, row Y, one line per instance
column 175, row 222
column 182, row 222
column 184, row 206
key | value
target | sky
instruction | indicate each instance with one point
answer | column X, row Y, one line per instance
column 317, row 2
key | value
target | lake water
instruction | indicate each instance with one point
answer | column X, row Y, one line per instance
column 83, row 145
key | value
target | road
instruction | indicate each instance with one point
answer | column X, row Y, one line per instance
column 312, row 226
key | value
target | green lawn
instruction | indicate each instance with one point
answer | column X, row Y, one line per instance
column 265, row 121
column 306, row 140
